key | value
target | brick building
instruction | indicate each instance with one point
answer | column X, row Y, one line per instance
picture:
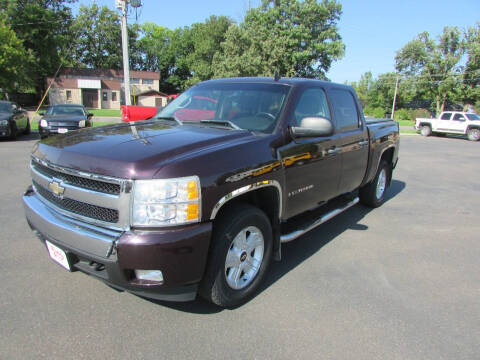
column 103, row 88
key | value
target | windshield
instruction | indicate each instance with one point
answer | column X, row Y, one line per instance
column 6, row 107
column 473, row 117
column 64, row 110
column 249, row 106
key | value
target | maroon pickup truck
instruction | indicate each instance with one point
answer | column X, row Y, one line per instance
column 168, row 208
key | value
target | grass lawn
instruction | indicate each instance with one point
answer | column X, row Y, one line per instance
column 408, row 131
column 405, row 122
column 105, row 112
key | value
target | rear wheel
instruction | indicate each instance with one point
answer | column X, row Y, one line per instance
column 473, row 134
column 373, row 194
column 239, row 256
column 426, row 130
column 27, row 129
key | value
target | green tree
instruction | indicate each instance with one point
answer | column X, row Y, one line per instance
column 205, row 39
column 364, row 87
column 14, row 60
column 182, row 56
column 295, row 38
column 469, row 91
column 97, row 41
column 155, row 43
column 434, row 66
column 43, row 26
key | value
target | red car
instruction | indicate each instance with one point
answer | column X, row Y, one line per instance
column 199, row 108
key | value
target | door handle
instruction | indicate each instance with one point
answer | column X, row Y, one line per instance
column 363, row 143
column 333, row 151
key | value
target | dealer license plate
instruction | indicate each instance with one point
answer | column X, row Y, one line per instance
column 58, row 255
column 62, row 131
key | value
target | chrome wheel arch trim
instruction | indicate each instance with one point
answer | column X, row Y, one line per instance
column 248, row 188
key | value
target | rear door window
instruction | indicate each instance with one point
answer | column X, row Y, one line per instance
column 344, row 110
column 446, row 116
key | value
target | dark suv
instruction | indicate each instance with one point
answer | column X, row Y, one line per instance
column 60, row 119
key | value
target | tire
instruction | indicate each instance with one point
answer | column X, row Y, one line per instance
column 243, row 236
column 426, row 130
column 373, row 193
column 473, row 134
column 28, row 128
column 13, row 133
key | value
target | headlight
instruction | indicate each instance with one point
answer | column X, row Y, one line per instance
column 81, row 123
column 43, row 123
column 166, row 202
column 3, row 122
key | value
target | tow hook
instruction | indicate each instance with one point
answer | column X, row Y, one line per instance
column 111, row 248
column 29, row 191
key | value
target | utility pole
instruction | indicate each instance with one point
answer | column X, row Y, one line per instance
column 395, row 97
column 122, row 6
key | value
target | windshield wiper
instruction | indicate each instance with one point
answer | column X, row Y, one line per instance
column 222, row 122
column 171, row 118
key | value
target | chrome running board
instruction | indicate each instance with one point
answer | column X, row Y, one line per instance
column 297, row 233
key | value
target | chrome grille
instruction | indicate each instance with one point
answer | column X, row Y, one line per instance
column 90, row 198
column 95, row 185
column 78, row 207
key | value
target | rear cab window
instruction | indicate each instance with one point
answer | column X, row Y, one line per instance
column 345, row 113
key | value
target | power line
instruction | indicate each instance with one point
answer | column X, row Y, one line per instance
column 38, row 22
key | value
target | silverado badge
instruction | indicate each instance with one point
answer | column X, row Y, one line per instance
column 56, row 189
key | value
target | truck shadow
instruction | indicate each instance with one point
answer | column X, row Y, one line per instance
column 296, row 252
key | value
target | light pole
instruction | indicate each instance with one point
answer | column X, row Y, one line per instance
column 395, row 97
column 122, row 6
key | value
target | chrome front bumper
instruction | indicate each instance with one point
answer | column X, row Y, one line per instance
column 111, row 256
column 91, row 239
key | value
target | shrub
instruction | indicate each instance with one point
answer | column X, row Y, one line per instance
column 377, row 112
column 402, row 114
column 420, row 113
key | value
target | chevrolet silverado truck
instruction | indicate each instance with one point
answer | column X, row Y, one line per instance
column 451, row 122
column 168, row 209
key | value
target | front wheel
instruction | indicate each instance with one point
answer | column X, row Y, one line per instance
column 473, row 134
column 373, row 193
column 13, row 131
column 240, row 255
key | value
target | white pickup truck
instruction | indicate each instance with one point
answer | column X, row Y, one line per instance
column 451, row 122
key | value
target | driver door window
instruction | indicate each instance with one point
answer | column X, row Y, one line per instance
column 313, row 103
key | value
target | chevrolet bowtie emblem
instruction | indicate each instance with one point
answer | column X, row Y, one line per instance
column 56, row 189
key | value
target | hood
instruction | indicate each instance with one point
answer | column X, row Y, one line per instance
column 63, row 118
column 133, row 150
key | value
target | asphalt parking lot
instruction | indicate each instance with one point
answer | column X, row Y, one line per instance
column 398, row 282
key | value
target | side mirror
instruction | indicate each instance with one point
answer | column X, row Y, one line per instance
column 89, row 115
column 313, row 127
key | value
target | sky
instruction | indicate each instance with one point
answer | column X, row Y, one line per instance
column 372, row 30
